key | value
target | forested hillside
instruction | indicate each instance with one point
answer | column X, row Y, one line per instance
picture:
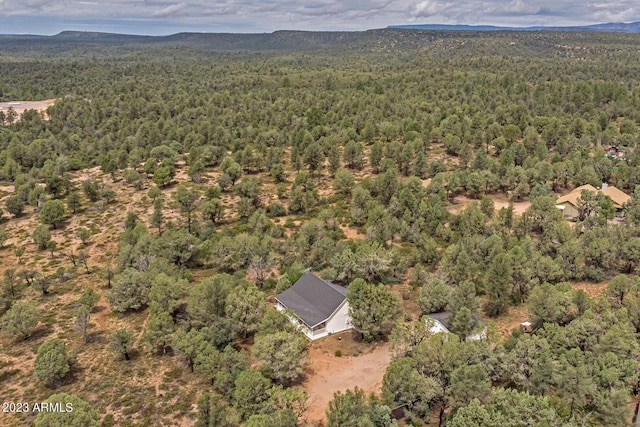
column 149, row 217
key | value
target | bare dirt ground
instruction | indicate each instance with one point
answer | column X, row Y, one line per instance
column 21, row 106
column 593, row 290
column 328, row 373
column 499, row 200
column 510, row 320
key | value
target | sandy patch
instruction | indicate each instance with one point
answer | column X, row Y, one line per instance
column 499, row 200
column 21, row 106
column 328, row 374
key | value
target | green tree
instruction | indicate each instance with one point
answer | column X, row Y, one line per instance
column 163, row 175
column 252, row 393
column 434, row 296
column 284, row 354
column 245, row 308
column 353, row 408
column 468, row 382
column 190, row 345
column 207, row 299
column 130, row 290
column 404, row 384
column 14, row 205
column 335, row 160
column 372, row 308
column 213, row 410
column 274, row 321
column 619, row 287
column 73, row 201
column 122, row 342
column 154, row 193
column 159, row 331
column 343, row 182
column 91, row 190
column 166, row 292
column 76, row 413
column 196, row 171
column 21, row 319
column 157, row 217
column 552, row 304
column 52, row 361
column 41, row 236
column 232, row 169
column 51, row 213
column 353, row 155
column 575, row 380
column 314, row 156
column 187, row 200
column 472, row 415
column 529, row 365
column 498, row 282
column 212, row 211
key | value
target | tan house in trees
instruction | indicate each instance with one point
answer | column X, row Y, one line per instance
column 568, row 203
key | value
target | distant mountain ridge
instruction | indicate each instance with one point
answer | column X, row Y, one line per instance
column 401, row 39
column 611, row 27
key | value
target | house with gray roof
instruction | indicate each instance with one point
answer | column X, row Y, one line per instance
column 439, row 322
column 317, row 307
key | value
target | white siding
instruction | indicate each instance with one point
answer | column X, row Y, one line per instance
column 436, row 327
column 340, row 320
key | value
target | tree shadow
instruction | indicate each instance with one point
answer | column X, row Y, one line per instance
column 96, row 337
column 41, row 332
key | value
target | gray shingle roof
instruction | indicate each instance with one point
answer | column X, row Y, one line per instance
column 312, row 299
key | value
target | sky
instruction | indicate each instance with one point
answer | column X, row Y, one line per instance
column 163, row 17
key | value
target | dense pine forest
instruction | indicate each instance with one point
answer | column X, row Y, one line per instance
column 175, row 185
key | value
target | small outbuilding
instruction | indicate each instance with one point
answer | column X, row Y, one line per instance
column 316, row 306
column 440, row 324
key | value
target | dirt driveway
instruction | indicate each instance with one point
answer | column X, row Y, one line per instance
column 328, row 374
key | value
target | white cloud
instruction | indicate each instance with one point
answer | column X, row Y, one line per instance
column 427, row 8
column 269, row 15
column 170, row 10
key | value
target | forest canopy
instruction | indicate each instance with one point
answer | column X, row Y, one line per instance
column 150, row 215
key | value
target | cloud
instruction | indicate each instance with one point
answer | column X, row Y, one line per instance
column 36, row 4
column 165, row 16
column 427, row 8
column 173, row 9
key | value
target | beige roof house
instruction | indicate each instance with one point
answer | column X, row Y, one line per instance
column 569, row 202
column 618, row 196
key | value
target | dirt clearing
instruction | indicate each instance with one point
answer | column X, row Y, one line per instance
column 328, row 373
column 499, row 200
column 21, row 106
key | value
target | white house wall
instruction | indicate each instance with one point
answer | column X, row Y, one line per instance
column 435, row 326
column 340, row 320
